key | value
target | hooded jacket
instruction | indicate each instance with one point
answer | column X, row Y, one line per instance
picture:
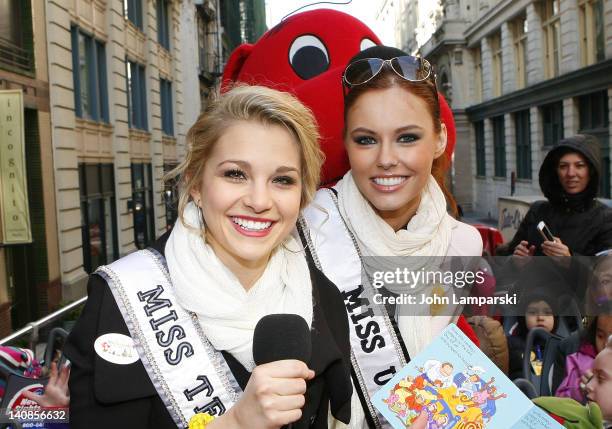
column 582, row 223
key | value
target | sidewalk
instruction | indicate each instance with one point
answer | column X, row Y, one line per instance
column 473, row 218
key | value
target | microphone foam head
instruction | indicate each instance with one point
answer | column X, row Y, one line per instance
column 280, row 337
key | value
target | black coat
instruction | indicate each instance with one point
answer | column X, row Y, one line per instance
column 517, row 347
column 106, row 395
column 516, row 351
column 582, row 223
column 584, row 233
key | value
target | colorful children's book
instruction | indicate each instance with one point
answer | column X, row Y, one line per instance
column 458, row 387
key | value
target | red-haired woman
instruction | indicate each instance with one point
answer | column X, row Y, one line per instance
column 393, row 202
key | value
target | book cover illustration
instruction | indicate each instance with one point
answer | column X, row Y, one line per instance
column 457, row 387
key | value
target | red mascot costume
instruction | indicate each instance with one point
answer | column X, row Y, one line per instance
column 306, row 55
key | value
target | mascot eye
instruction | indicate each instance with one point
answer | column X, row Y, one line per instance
column 308, row 57
column 366, row 43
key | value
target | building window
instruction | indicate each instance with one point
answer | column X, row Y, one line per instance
column 16, row 40
column 594, row 120
column 89, row 76
column 445, row 87
column 165, row 90
column 552, row 123
column 170, row 197
column 137, row 95
column 11, row 12
column 499, row 146
column 163, row 24
column 98, row 219
column 552, row 37
column 591, row 28
column 202, row 41
column 206, row 28
column 202, row 36
column 481, row 166
column 497, row 69
column 132, row 10
column 142, row 205
column 520, row 51
column 478, row 74
column 594, row 111
column 522, row 130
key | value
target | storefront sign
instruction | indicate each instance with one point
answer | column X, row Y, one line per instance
column 14, row 210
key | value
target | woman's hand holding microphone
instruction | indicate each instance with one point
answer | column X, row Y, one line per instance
column 273, row 398
column 275, row 394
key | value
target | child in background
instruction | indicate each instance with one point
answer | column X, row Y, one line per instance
column 599, row 297
column 592, row 342
column 597, row 414
column 539, row 312
column 599, row 386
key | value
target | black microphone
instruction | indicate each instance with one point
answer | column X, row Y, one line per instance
column 280, row 337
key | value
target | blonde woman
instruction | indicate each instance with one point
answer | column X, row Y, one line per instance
column 167, row 333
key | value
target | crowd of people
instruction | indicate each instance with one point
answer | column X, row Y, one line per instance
column 167, row 336
column 578, row 253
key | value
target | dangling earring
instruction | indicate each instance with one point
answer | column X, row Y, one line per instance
column 201, row 217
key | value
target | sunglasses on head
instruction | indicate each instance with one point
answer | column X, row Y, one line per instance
column 413, row 69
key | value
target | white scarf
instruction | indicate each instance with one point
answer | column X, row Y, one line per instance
column 428, row 234
column 226, row 311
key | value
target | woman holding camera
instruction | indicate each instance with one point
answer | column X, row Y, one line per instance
column 580, row 225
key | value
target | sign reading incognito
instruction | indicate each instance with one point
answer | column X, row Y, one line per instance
column 14, row 210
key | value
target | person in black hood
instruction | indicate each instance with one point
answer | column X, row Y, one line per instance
column 569, row 179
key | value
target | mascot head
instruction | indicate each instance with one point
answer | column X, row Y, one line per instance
column 306, row 55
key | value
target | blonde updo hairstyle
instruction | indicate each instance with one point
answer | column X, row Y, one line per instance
column 249, row 104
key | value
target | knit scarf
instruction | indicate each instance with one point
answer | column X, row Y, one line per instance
column 226, row 311
column 427, row 235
